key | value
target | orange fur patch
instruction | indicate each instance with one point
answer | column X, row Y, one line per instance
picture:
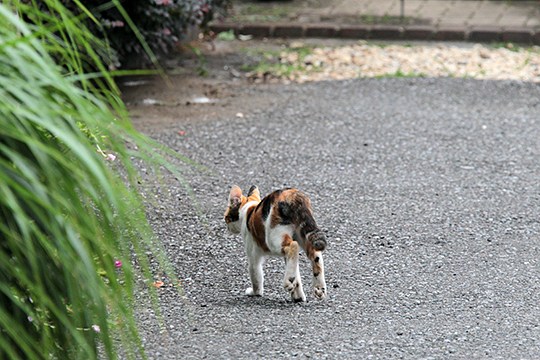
column 256, row 227
column 310, row 250
column 289, row 247
column 275, row 219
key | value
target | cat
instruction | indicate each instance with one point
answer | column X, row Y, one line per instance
column 278, row 225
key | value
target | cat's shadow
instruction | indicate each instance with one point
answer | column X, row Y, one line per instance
column 267, row 302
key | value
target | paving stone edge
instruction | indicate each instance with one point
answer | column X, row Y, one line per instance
column 519, row 35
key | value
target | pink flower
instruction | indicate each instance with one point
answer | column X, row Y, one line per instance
column 96, row 328
column 163, row 2
column 166, row 31
column 118, row 264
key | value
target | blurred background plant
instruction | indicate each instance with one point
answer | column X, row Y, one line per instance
column 128, row 25
column 73, row 230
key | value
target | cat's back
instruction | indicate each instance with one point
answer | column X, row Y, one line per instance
column 285, row 206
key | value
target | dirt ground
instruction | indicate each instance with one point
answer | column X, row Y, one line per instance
column 184, row 94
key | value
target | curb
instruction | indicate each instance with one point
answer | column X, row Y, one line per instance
column 520, row 35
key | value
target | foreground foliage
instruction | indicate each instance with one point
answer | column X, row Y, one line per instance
column 69, row 224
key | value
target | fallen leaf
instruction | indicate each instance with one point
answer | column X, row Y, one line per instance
column 158, row 284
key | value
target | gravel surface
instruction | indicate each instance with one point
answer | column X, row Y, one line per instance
column 364, row 59
column 428, row 190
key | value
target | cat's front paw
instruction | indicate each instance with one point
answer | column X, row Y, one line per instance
column 251, row 292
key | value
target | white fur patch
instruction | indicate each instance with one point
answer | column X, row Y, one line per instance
column 242, row 215
column 274, row 236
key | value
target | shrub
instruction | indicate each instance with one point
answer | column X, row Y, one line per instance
column 160, row 23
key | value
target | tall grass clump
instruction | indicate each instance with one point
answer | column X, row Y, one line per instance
column 70, row 215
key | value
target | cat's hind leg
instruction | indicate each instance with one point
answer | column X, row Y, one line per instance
column 292, row 281
column 317, row 265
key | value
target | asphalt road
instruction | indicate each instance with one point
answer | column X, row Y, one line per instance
column 428, row 191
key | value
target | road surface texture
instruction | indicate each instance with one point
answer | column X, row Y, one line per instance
column 427, row 189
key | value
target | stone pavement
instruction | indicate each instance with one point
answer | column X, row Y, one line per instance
column 456, row 20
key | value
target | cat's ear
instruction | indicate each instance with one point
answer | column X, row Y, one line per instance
column 235, row 196
column 254, row 193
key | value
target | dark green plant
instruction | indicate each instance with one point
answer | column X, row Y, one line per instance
column 70, row 214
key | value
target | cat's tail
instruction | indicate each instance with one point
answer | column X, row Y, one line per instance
column 318, row 240
column 298, row 209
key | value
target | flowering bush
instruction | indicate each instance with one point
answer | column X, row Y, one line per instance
column 161, row 23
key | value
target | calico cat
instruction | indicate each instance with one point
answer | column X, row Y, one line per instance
column 278, row 225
